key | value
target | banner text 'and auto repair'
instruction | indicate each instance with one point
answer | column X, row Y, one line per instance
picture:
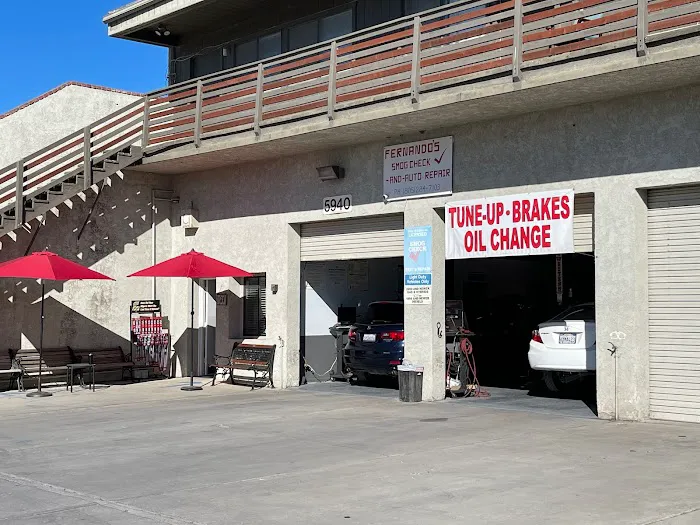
column 526, row 224
column 418, row 169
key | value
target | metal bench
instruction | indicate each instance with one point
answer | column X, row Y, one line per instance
column 9, row 367
column 258, row 359
column 107, row 360
column 53, row 365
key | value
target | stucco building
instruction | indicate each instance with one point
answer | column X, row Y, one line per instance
column 276, row 106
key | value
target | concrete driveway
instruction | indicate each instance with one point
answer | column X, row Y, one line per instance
column 151, row 454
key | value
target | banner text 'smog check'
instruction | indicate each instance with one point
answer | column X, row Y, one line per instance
column 418, row 169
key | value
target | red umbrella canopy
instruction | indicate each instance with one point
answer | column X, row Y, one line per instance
column 49, row 266
column 194, row 265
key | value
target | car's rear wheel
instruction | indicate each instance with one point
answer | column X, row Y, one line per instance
column 558, row 382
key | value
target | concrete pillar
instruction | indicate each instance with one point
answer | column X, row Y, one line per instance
column 621, row 302
column 425, row 323
column 287, row 366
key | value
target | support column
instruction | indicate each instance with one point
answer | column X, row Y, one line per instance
column 621, row 276
column 287, row 358
column 425, row 323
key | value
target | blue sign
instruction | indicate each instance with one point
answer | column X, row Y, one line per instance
column 418, row 264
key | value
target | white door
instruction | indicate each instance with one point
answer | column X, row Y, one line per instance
column 363, row 238
column 206, row 334
column 674, row 303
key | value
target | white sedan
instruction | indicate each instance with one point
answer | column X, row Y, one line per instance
column 563, row 348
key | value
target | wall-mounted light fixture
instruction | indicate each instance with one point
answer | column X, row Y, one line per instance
column 224, row 51
column 161, row 30
column 326, row 173
column 275, row 289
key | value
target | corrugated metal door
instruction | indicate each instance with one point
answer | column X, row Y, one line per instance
column 362, row 238
column 583, row 223
column 674, row 303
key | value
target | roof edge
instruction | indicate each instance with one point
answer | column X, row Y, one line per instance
column 126, row 9
column 59, row 88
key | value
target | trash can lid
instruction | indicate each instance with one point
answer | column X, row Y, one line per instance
column 409, row 368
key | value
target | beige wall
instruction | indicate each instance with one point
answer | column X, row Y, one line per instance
column 52, row 118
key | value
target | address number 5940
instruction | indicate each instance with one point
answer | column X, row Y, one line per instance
column 339, row 204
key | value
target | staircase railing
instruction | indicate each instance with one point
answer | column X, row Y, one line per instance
column 445, row 47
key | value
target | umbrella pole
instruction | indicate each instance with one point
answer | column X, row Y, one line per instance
column 191, row 386
column 39, row 392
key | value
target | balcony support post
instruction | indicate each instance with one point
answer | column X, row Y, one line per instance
column 87, row 158
column 332, row 73
column 198, row 116
column 19, row 194
column 257, row 119
column 517, row 40
column 642, row 27
column 146, row 120
column 415, row 61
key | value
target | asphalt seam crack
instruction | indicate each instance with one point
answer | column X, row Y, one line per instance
column 95, row 500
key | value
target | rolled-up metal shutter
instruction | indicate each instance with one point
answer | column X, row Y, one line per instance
column 583, row 223
column 361, row 238
column 674, row 303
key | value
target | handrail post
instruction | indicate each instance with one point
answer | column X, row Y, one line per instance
column 332, row 69
column 517, row 40
column 258, row 100
column 19, row 194
column 146, row 121
column 642, row 27
column 198, row 116
column 415, row 61
column 87, row 158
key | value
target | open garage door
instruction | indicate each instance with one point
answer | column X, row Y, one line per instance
column 362, row 238
column 583, row 223
column 674, row 303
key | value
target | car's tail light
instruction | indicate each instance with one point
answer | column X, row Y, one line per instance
column 352, row 335
column 392, row 336
column 536, row 336
column 394, row 362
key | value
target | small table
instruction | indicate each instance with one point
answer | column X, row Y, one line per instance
column 70, row 370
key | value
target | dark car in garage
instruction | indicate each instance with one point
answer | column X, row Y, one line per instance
column 376, row 343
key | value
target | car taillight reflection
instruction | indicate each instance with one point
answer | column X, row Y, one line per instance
column 536, row 336
column 352, row 335
column 392, row 336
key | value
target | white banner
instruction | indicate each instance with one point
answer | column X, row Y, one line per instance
column 526, row 224
column 418, row 169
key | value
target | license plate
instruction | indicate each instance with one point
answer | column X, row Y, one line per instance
column 567, row 339
column 369, row 338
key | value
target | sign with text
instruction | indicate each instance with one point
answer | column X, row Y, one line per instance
column 145, row 307
column 526, row 224
column 418, row 265
column 338, row 204
column 418, row 169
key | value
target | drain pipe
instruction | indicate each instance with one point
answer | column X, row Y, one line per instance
column 154, row 240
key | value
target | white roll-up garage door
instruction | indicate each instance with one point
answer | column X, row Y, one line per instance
column 583, row 223
column 674, row 303
column 362, row 238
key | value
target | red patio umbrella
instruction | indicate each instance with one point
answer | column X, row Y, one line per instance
column 194, row 265
column 51, row 267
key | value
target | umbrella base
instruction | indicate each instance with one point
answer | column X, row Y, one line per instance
column 191, row 388
column 39, row 393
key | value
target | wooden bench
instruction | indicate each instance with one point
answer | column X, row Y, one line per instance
column 258, row 359
column 54, row 362
column 9, row 367
column 107, row 360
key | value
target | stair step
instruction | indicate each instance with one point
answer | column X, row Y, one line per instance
column 42, row 197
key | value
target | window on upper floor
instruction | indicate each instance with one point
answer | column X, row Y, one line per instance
column 416, row 6
column 322, row 29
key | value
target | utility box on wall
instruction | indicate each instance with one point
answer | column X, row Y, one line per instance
column 190, row 218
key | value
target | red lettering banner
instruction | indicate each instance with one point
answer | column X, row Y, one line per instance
column 527, row 224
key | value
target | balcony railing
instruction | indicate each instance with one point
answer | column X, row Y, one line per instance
column 441, row 48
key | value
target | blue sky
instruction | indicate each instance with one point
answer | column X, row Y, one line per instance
column 49, row 42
